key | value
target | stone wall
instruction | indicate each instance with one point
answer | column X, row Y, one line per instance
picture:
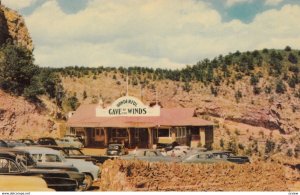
column 120, row 175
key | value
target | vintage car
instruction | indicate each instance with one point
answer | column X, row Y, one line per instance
column 28, row 142
column 24, row 159
column 3, row 144
column 79, row 137
column 54, row 179
column 202, row 157
column 49, row 157
column 149, row 155
column 13, row 143
column 47, row 141
column 116, row 150
column 70, row 142
column 14, row 183
column 215, row 156
column 229, row 156
column 167, row 147
column 76, row 153
column 179, row 151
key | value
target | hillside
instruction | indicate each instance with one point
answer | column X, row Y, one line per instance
column 249, row 105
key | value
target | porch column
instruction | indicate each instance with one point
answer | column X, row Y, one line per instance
column 129, row 137
column 202, row 136
column 150, row 138
column 105, row 136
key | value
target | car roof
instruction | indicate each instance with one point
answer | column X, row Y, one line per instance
column 39, row 150
column 181, row 147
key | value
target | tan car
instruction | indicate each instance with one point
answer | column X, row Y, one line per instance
column 23, row 183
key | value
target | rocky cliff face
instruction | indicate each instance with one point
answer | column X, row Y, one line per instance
column 12, row 26
column 20, row 119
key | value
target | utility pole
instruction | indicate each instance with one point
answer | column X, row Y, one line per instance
column 127, row 84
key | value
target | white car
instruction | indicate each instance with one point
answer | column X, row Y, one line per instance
column 179, row 151
column 72, row 142
column 47, row 156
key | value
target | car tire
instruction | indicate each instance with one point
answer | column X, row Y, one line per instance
column 88, row 180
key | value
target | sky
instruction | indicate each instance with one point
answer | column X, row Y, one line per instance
column 154, row 33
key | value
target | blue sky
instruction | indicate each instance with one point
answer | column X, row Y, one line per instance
column 157, row 33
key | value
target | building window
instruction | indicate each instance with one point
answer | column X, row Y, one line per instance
column 97, row 132
column 102, row 132
column 163, row 133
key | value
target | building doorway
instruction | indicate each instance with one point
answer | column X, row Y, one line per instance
column 140, row 137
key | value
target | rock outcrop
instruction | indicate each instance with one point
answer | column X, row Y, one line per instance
column 19, row 119
column 12, row 26
column 120, row 175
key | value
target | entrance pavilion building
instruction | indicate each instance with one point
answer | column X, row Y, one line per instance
column 131, row 122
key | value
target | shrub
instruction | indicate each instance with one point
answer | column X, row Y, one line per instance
column 232, row 146
column 268, row 89
column 290, row 152
column 17, row 70
column 73, row 102
column 270, row 146
column 238, row 95
column 84, row 95
column 287, row 48
column 280, row 87
column 265, row 50
column 214, row 90
column 221, row 143
column 256, row 90
column 241, row 146
column 293, row 58
column 187, row 87
column 237, row 132
column 254, row 80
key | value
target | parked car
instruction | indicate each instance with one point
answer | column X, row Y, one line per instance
column 149, row 155
column 13, row 143
column 179, row 151
column 54, row 180
column 3, row 144
column 24, row 160
column 202, row 157
column 48, row 156
column 15, row 183
column 167, row 147
column 76, row 153
column 70, row 142
column 215, row 156
column 116, row 150
column 79, row 137
column 28, row 142
column 47, row 141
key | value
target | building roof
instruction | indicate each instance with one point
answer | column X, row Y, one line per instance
column 85, row 116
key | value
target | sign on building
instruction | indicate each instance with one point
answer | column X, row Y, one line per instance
column 128, row 106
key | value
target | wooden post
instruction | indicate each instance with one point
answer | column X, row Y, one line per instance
column 105, row 136
column 129, row 137
column 150, row 138
column 202, row 136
